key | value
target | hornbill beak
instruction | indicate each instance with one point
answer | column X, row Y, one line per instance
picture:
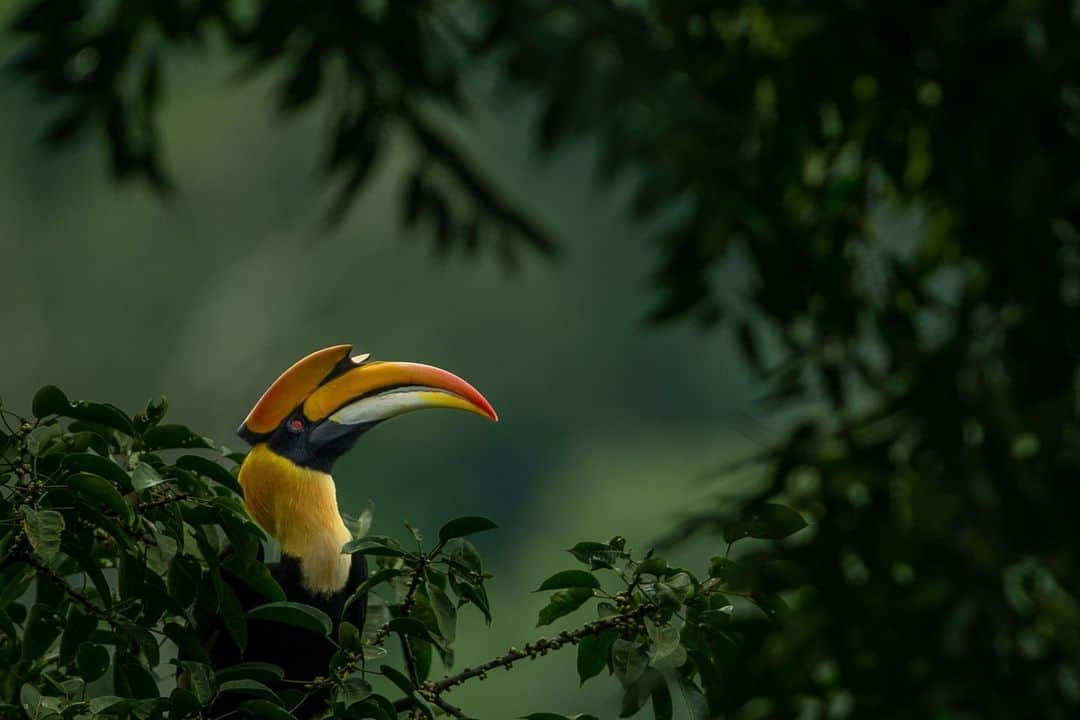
column 330, row 395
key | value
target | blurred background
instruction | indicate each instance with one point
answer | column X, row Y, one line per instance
column 207, row 295
column 842, row 241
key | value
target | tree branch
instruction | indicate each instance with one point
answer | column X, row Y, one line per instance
column 625, row 620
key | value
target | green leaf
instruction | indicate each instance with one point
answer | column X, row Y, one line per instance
column 41, row 630
column 352, row 690
column 770, row 603
column 445, row 612
column 570, row 579
column 593, row 653
column 462, row 526
column 210, row 469
column 43, row 529
column 261, row 671
column 246, row 686
column 769, row 522
column 295, row 614
column 398, row 678
column 132, row 679
column 370, row 546
column 695, row 699
column 92, row 661
column 478, row 597
column 97, row 488
column 108, row 704
column 200, row 679
column 172, row 437
column 77, row 630
column 665, row 638
column 98, row 465
column 187, row 641
column 349, row 637
column 365, row 587
column 594, row 554
column 553, row 716
column 730, row 573
column 651, row 684
column 412, row 628
column 372, row 710
column 49, row 400
column 562, row 603
column 653, row 566
column 233, row 616
column 255, row 575
column 183, row 703
column 661, row 701
column 144, row 477
column 629, row 661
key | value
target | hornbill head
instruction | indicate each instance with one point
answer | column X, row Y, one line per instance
column 317, row 408
column 305, row 421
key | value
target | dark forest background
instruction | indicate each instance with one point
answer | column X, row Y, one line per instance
column 700, row 255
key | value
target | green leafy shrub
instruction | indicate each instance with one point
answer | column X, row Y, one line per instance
column 113, row 563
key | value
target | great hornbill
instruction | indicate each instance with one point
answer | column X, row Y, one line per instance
column 303, row 423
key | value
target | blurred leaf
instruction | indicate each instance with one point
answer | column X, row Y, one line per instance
column 395, row 676
column 144, row 477
column 651, row 684
column 295, row 614
column 695, row 699
column 169, row 437
column 77, row 630
column 570, row 579
column 594, row 652
column 43, row 529
column 255, row 575
column 41, row 630
column 463, row 526
column 376, row 578
column 375, row 548
column 200, row 679
column 445, row 612
column 262, row 671
column 210, row 469
column 97, row 465
column 92, row 661
column 247, row 686
column 769, row 522
column 49, row 400
column 98, row 489
column 108, row 704
column 563, row 603
column 412, row 628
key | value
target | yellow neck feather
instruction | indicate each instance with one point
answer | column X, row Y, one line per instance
column 298, row 506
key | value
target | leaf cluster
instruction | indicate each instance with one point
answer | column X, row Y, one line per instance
column 124, row 539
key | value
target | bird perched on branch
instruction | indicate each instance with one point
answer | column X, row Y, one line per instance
column 312, row 414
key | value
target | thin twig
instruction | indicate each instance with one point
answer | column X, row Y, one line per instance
column 432, row 690
column 163, row 501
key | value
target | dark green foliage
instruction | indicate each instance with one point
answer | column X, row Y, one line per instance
column 390, row 68
column 899, row 184
column 110, row 563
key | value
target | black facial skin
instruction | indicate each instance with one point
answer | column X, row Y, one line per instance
column 311, row 445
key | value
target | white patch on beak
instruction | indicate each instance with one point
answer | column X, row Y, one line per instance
column 388, row 404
